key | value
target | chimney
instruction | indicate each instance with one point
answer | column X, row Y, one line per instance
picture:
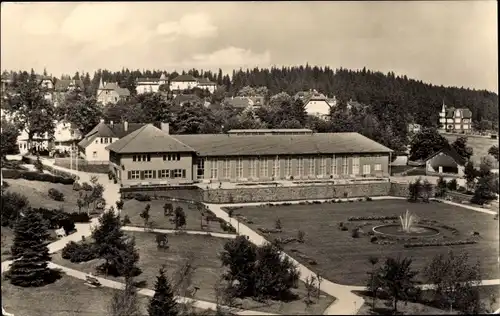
column 125, row 126
column 102, row 120
column 165, row 128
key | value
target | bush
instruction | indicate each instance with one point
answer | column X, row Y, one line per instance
column 301, row 236
column 126, row 220
column 367, row 198
column 77, row 186
column 227, row 227
column 371, row 218
column 5, row 185
column 86, row 186
column 79, row 217
column 36, row 176
column 440, row 243
column 452, row 185
column 110, row 175
column 142, row 197
column 12, row 204
column 355, row 232
column 56, row 194
column 79, row 252
column 373, row 239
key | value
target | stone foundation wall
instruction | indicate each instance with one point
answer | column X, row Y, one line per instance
column 315, row 192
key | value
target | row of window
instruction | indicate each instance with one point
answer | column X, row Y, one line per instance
column 254, row 171
column 104, row 140
column 147, row 157
column 157, row 174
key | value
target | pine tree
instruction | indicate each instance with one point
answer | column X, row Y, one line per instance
column 163, row 302
column 31, row 251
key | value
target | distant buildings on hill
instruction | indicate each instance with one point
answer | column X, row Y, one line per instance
column 455, row 120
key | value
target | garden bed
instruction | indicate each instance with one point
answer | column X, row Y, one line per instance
column 37, row 194
column 202, row 252
column 194, row 218
column 343, row 259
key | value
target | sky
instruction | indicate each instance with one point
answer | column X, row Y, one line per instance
column 453, row 43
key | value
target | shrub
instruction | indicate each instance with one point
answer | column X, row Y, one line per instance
column 373, row 239
column 126, row 220
column 367, row 198
column 227, row 227
column 142, row 197
column 79, row 252
column 78, row 217
column 301, row 236
column 161, row 241
column 452, row 185
column 56, row 194
column 77, row 186
column 277, row 224
column 110, row 175
column 355, row 232
column 440, row 243
column 344, row 228
column 371, row 218
column 86, row 186
column 5, row 184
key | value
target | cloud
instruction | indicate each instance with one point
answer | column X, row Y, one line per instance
column 193, row 25
column 104, row 25
column 231, row 56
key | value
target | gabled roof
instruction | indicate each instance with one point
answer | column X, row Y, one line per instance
column 265, row 145
column 449, row 151
column 205, row 81
column 64, row 84
column 113, row 86
column 117, row 130
column 464, row 112
column 148, row 139
column 184, row 78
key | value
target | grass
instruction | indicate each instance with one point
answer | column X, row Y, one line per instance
column 383, row 306
column 68, row 296
column 7, row 239
column 480, row 145
column 37, row 194
column 133, row 209
column 202, row 252
column 343, row 259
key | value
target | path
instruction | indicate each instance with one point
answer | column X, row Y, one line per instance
column 173, row 231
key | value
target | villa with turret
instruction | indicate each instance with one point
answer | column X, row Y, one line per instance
column 455, row 120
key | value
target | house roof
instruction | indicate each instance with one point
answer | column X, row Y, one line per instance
column 124, row 92
column 102, row 129
column 464, row 112
column 318, row 143
column 64, row 84
column 449, row 151
column 148, row 80
column 148, row 139
column 184, row 78
column 183, row 98
column 205, row 81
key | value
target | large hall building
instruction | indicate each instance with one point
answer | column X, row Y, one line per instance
column 151, row 156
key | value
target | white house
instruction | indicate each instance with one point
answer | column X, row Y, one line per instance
column 150, row 85
column 93, row 146
column 64, row 136
column 317, row 104
column 205, row 84
column 183, row 82
column 445, row 162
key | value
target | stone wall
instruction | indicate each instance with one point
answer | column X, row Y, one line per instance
column 399, row 189
column 192, row 193
column 315, row 192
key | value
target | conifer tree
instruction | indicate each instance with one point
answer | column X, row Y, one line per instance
column 163, row 302
column 31, row 251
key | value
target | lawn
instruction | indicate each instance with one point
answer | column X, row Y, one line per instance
column 480, row 145
column 7, row 239
column 384, row 306
column 133, row 209
column 202, row 252
column 37, row 194
column 66, row 297
column 343, row 259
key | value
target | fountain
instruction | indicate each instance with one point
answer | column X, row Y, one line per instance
column 408, row 227
column 407, row 221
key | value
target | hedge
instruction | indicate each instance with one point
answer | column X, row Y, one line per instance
column 79, row 252
column 35, row 176
column 372, row 218
column 440, row 243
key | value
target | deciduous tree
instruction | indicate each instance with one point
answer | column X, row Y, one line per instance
column 460, row 146
column 426, row 143
column 8, row 139
column 81, row 111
